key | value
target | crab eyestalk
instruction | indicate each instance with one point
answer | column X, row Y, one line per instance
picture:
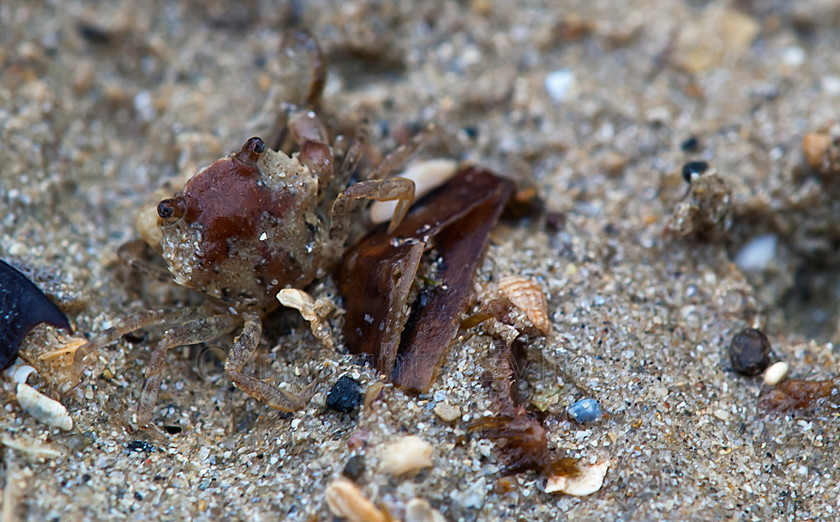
column 172, row 209
column 250, row 152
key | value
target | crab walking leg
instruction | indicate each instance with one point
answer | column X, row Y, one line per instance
column 351, row 153
column 135, row 322
column 192, row 332
column 399, row 156
column 129, row 253
column 243, row 349
column 390, row 189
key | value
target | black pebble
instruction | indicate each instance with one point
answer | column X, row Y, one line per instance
column 22, row 306
column 345, row 395
column 354, row 468
column 691, row 144
column 140, row 446
column 750, row 352
column 555, row 221
column 694, row 167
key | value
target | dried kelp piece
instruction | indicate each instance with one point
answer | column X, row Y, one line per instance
column 526, row 440
column 22, row 306
column 435, row 317
column 376, row 275
column 796, row 395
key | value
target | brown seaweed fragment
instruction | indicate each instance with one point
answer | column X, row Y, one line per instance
column 375, row 277
column 524, row 438
column 22, row 306
column 796, row 395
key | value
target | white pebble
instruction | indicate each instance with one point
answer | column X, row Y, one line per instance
column 43, row 408
column 830, row 85
column 426, row 175
column 407, row 455
column 793, row 56
column 757, row 253
column 776, row 373
column 447, row 412
column 559, row 83
column 721, row 414
column 473, row 497
column 144, row 105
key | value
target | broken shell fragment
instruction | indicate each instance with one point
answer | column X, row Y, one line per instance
column 315, row 312
column 528, row 296
column 588, row 481
column 426, row 175
column 43, row 408
column 419, row 510
column 345, row 500
column 407, row 455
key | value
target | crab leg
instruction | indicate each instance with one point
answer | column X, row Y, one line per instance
column 135, row 322
column 399, row 156
column 390, row 189
column 192, row 332
column 243, row 349
column 130, row 252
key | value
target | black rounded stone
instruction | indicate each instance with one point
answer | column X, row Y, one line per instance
column 345, row 395
column 694, row 167
column 354, row 468
column 690, row 144
column 750, row 352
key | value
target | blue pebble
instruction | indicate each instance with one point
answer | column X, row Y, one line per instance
column 585, row 410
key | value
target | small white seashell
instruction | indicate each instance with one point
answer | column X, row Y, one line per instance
column 427, row 175
column 345, row 500
column 19, row 371
column 529, row 297
column 419, row 510
column 776, row 373
column 588, row 481
column 43, row 408
column 407, row 455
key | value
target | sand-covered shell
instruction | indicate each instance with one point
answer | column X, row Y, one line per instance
column 528, row 296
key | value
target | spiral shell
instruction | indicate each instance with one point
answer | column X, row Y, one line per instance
column 529, row 297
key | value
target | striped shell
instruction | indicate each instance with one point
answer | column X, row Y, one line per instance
column 528, row 296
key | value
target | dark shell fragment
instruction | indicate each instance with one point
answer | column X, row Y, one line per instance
column 22, row 306
column 795, row 395
column 376, row 276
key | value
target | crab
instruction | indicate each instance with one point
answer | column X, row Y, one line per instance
column 251, row 231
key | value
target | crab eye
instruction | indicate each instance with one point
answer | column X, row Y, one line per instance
column 257, row 145
column 172, row 209
column 250, row 152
